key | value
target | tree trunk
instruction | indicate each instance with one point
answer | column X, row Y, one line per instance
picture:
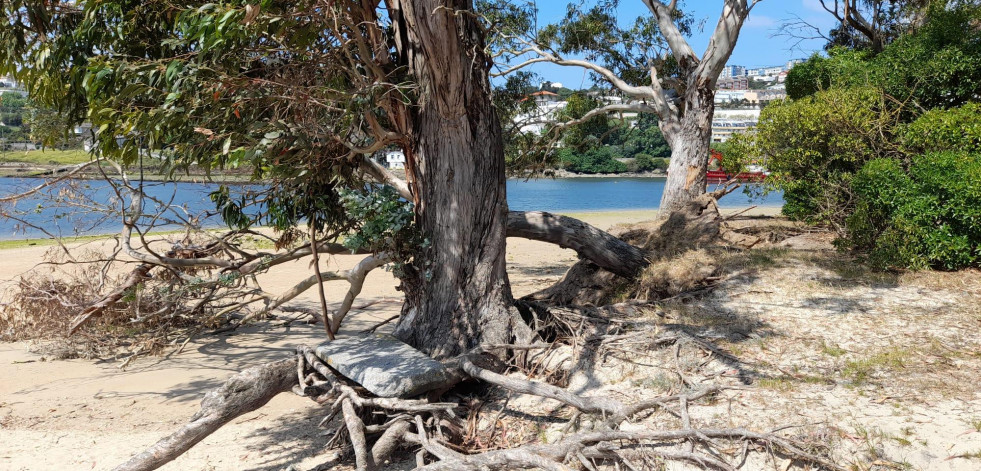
column 457, row 290
column 689, row 142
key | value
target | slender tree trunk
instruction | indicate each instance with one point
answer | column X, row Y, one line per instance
column 457, row 290
column 689, row 142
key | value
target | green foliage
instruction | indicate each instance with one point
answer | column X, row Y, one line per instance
column 813, row 145
column 939, row 129
column 884, row 147
column 596, row 33
column 928, row 216
column 648, row 163
column 384, row 224
column 266, row 86
column 937, row 66
column 590, row 133
column 593, row 160
column 645, row 137
column 842, row 68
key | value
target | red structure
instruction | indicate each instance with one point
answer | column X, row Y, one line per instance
column 716, row 174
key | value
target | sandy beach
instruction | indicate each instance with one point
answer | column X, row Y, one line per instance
column 84, row 414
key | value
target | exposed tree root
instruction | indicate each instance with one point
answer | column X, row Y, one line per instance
column 375, row 428
column 675, row 237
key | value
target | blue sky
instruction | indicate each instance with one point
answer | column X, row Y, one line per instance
column 756, row 45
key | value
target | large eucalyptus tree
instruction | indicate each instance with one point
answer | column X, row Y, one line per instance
column 301, row 92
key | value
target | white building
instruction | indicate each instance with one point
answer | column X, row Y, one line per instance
column 733, row 71
column 729, row 96
column 546, row 111
column 7, row 81
column 394, row 159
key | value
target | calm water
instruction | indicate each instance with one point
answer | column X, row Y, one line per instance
column 70, row 213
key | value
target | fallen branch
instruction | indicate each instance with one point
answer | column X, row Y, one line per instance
column 140, row 273
column 242, row 393
column 552, row 456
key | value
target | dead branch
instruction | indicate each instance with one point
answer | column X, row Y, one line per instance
column 242, row 393
column 598, row 444
column 356, row 276
column 140, row 273
column 71, row 171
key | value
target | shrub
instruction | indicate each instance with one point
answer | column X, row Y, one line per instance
column 594, row 160
column 648, row 163
column 842, row 68
column 813, row 146
column 937, row 66
column 939, row 129
column 928, row 216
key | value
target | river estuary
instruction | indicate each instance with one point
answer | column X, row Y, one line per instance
column 66, row 209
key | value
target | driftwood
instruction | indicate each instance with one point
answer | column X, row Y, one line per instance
column 242, row 393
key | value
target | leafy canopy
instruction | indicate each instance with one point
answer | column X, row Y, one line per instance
column 285, row 88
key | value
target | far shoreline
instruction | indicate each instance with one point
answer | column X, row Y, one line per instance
column 32, row 170
column 602, row 218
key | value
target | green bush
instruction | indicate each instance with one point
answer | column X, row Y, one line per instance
column 937, row 66
column 649, row 163
column 940, row 129
column 813, row 145
column 842, row 68
column 928, row 216
column 594, row 160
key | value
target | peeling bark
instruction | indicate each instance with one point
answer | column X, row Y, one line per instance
column 457, row 290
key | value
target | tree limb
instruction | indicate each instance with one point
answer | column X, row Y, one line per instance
column 137, row 276
column 598, row 246
column 664, row 14
column 242, row 393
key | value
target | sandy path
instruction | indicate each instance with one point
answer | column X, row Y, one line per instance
column 79, row 414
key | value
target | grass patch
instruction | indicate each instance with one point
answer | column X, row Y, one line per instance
column 976, row 424
column 971, row 455
column 832, row 350
column 771, row 257
column 859, row 371
column 781, row 384
column 47, row 157
column 21, row 243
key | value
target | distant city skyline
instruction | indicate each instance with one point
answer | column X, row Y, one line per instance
column 755, row 48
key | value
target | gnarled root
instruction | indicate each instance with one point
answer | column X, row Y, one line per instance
column 376, row 428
